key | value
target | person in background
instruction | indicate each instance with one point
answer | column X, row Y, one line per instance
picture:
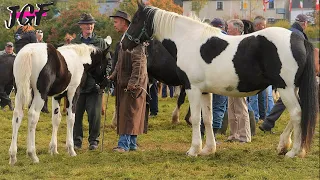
column 24, row 35
column 130, row 75
column 219, row 23
column 39, row 35
column 238, row 115
column 90, row 99
column 154, row 97
column 164, row 90
column 5, row 96
column 8, row 49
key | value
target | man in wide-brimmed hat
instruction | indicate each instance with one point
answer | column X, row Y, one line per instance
column 90, row 98
column 131, row 79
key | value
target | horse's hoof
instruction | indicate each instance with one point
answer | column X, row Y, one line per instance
column 207, row 151
column 193, row 152
column 282, row 151
column 71, row 152
column 290, row 154
column 53, row 150
column 12, row 160
column 302, row 153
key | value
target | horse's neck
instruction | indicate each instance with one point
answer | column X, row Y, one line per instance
column 183, row 30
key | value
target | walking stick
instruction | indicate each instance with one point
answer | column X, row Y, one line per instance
column 105, row 117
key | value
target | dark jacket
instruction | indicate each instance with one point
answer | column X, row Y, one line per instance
column 90, row 84
column 23, row 38
column 296, row 28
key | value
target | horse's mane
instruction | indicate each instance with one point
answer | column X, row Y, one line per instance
column 163, row 22
column 80, row 49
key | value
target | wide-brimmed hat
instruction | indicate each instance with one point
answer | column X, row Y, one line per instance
column 123, row 15
column 86, row 18
column 9, row 44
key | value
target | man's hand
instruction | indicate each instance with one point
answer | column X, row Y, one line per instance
column 131, row 87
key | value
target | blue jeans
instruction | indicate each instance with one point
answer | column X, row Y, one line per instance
column 164, row 90
column 270, row 101
column 219, row 107
column 128, row 142
column 253, row 106
column 266, row 102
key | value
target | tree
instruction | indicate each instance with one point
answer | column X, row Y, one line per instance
column 67, row 22
column 197, row 5
column 131, row 6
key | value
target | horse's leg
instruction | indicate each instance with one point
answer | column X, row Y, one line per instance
column 16, row 122
column 206, row 108
column 291, row 102
column 72, row 96
column 194, row 99
column 56, row 119
column 181, row 98
column 33, row 118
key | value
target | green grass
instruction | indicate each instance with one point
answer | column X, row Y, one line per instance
column 161, row 154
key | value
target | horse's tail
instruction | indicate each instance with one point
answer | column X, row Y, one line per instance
column 308, row 93
column 22, row 69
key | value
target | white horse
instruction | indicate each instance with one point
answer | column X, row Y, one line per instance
column 239, row 66
column 45, row 71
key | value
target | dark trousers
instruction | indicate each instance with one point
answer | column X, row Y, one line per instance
column 274, row 115
column 154, row 100
column 164, row 90
column 261, row 103
column 91, row 103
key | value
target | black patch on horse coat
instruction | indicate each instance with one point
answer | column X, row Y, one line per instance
column 299, row 53
column 56, row 111
column 184, row 78
column 161, row 64
column 55, row 76
column 257, row 64
column 171, row 47
column 17, row 120
column 212, row 48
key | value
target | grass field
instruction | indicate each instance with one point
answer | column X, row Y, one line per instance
column 161, row 155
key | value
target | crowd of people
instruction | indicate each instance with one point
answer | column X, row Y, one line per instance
column 128, row 71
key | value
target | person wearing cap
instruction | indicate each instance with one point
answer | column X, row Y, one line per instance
column 8, row 49
column 298, row 27
column 5, row 96
column 219, row 23
column 131, row 78
column 24, row 35
column 300, row 24
column 90, row 99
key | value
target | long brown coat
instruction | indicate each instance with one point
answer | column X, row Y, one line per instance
column 131, row 69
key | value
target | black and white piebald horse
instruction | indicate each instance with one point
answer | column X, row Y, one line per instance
column 209, row 61
column 47, row 71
